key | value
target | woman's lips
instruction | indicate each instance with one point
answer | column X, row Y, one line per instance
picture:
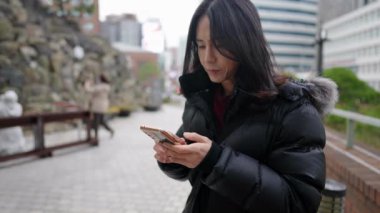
column 213, row 70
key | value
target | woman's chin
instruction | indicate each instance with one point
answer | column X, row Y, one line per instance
column 214, row 79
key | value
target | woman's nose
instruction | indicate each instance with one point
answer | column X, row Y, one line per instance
column 210, row 55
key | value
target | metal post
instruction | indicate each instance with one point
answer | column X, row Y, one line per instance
column 350, row 133
column 320, row 57
column 321, row 38
column 39, row 139
column 332, row 197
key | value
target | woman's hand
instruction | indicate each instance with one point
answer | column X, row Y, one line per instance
column 161, row 151
column 188, row 155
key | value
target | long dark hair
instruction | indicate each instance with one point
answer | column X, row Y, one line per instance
column 236, row 28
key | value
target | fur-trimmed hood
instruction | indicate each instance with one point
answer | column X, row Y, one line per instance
column 322, row 92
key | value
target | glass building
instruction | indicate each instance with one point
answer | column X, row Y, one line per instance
column 354, row 42
column 290, row 27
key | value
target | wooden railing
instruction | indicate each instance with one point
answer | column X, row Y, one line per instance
column 352, row 118
column 38, row 122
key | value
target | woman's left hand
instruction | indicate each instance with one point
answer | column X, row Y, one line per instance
column 190, row 155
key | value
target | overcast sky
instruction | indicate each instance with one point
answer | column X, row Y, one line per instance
column 175, row 15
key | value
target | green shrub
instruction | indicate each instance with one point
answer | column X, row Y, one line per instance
column 147, row 71
column 355, row 95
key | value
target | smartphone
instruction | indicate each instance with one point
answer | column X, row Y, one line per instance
column 159, row 134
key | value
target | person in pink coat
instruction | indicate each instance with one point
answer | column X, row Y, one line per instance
column 99, row 103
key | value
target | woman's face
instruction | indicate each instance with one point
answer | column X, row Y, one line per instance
column 219, row 68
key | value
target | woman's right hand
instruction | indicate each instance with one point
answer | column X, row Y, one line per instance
column 162, row 152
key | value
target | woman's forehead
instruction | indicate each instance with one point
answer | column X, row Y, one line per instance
column 203, row 29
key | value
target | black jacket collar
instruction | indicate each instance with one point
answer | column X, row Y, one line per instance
column 199, row 81
column 194, row 82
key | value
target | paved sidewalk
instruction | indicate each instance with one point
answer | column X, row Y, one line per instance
column 120, row 175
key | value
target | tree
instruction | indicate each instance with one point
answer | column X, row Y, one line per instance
column 148, row 71
column 355, row 95
column 63, row 9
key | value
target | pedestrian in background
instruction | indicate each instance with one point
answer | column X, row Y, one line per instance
column 99, row 102
column 251, row 139
column 11, row 139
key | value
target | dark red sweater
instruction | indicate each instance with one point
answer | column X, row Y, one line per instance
column 219, row 107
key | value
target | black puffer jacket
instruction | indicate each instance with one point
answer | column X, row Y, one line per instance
column 269, row 157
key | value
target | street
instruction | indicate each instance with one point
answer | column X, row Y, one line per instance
column 120, row 175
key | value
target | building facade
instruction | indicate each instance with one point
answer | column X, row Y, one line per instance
column 125, row 29
column 332, row 9
column 354, row 42
column 329, row 10
column 290, row 27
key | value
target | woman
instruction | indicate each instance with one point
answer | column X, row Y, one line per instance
column 99, row 103
column 251, row 140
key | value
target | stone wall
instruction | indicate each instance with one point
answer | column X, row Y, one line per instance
column 46, row 59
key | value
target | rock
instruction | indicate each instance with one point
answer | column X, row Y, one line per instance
column 77, row 69
column 78, row 52
column 5, row 10
column 33, row 64
column 89, row 45
column 28, row 52
column 16, row 4
column 21, row 36
column 4, row 61
column 57, row 61
column 9, row 48
column 13, row 76
column 44, row 62
column 92, row 66
column 6, row 30
column 108, row 61
column 43, row 49
column 35, row 34
column 19, row 12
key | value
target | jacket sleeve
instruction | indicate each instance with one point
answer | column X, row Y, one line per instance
column 173, row 170
column 291, row 178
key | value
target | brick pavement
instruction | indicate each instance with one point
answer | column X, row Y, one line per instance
column 120, row 175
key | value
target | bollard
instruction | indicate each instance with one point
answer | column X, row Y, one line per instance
column 332, row 197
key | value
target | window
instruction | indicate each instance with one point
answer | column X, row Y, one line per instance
column 88, row 26
column 75, row 2
column 87, row 15
column 88, row 2
column 75, row 13
column 47, row 2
